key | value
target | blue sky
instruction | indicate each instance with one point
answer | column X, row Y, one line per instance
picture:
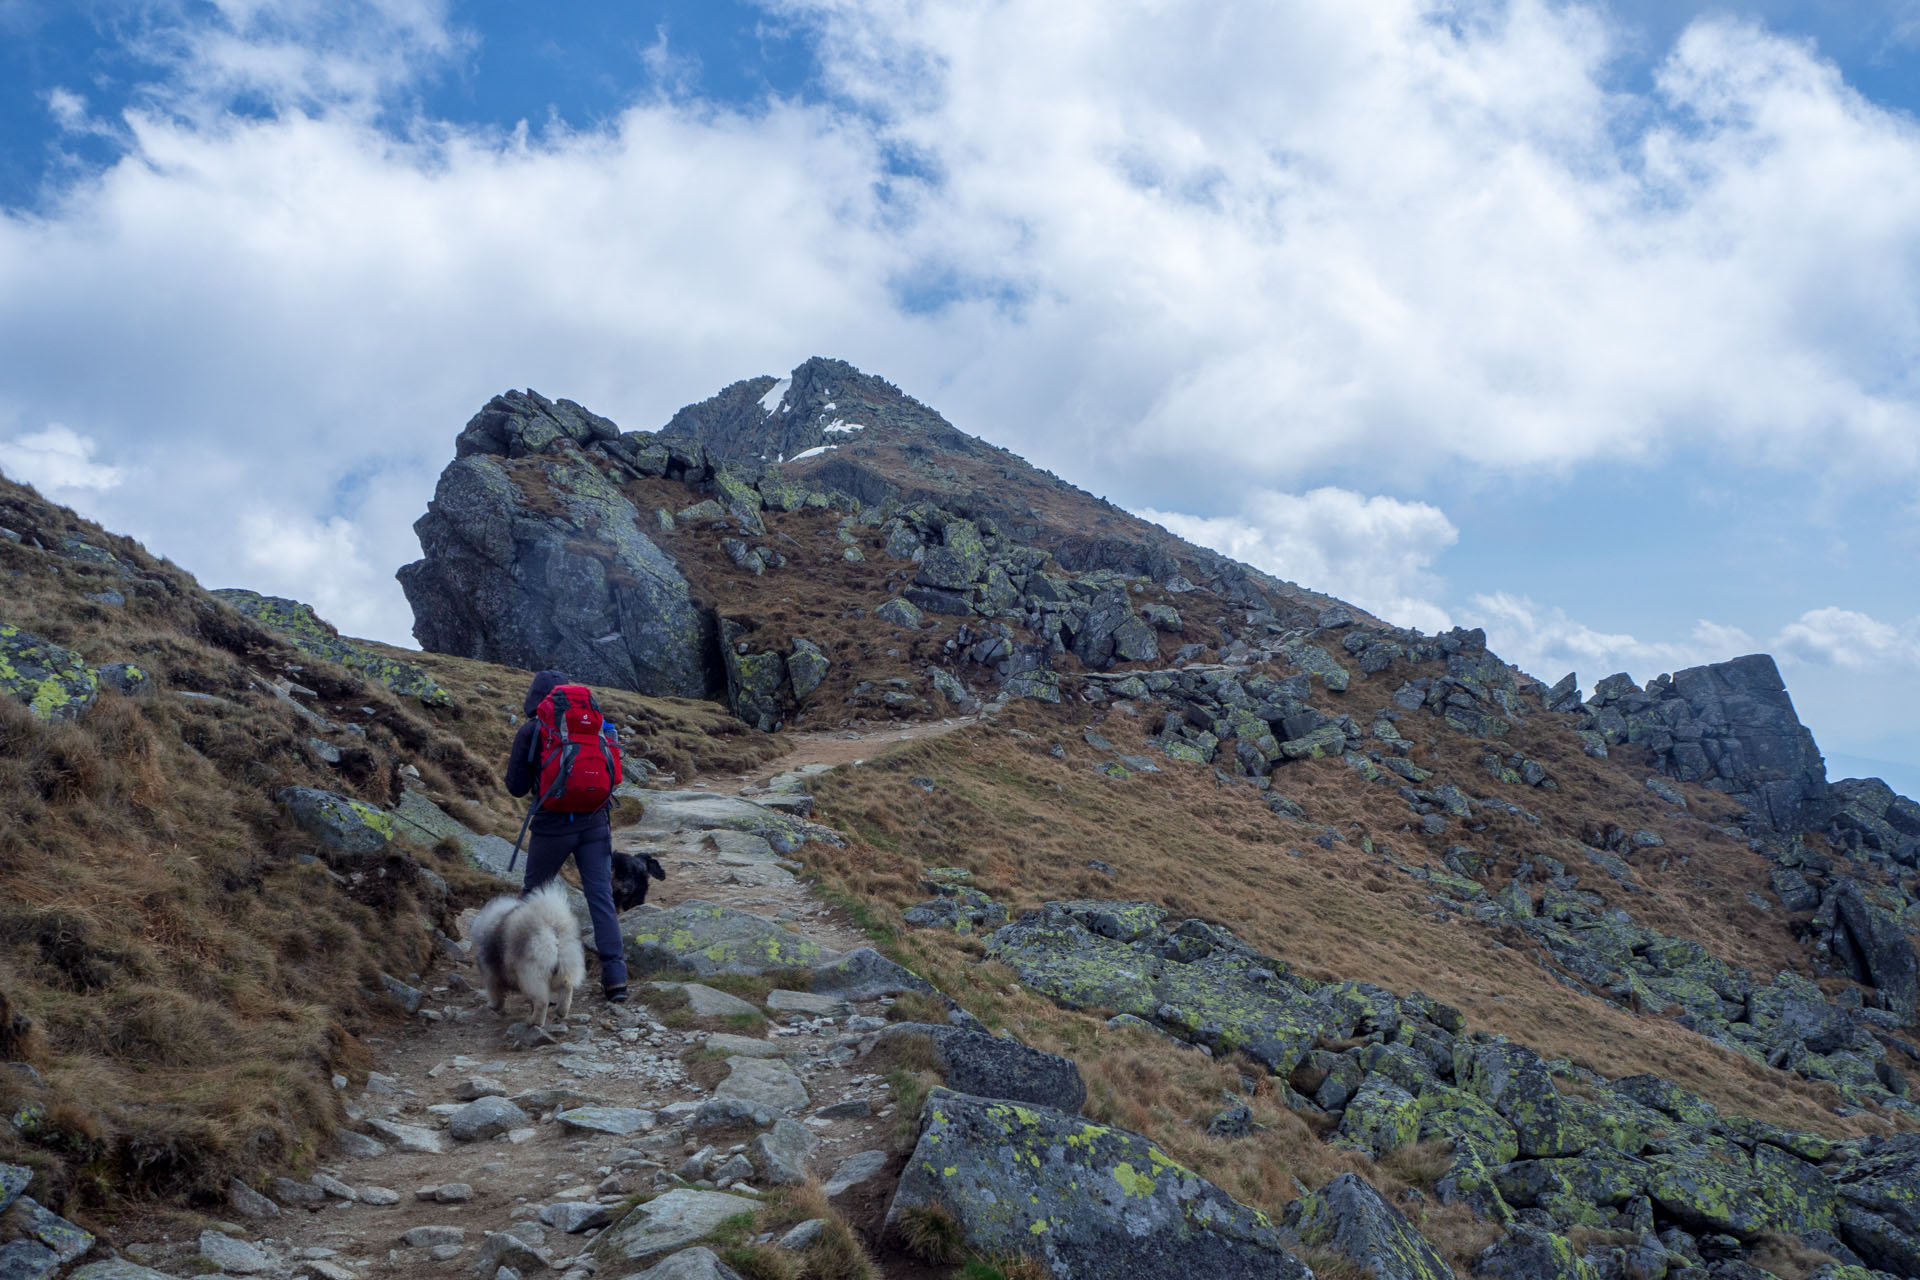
column 1592, row 324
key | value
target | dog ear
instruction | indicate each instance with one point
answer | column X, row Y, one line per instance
column 654, row 868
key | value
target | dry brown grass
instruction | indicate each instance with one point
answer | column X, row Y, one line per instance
column 836, row 1255
column 181, row 970
column 1420, row 1165
column 1026, row 823
column 931, row 1234
column 1787, row 1257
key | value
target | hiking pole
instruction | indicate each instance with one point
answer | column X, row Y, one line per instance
column 522, row 836
column 533, row 757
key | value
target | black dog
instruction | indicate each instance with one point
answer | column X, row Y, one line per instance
column 630, row 875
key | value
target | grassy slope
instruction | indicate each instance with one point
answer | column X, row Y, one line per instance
column 1027, row 823
column 182, row 982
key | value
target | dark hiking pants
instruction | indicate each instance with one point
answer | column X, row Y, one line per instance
column 592, row 852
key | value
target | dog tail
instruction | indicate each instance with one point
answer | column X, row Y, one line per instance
column 550, row 909
column 487, row 919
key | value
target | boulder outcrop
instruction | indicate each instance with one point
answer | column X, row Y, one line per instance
column 1193, row 979
column 1728, row 725
column 1876, row 951
column 1349, row 1216
column 55, row 682
column 313, row 634
column 533, row 557
column 1544, row 1148
column 990, row 1066
column 1873, row 821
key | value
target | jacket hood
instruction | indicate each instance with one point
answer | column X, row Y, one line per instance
column 543, row 684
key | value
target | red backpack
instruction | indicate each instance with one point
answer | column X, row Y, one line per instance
column 578, row 751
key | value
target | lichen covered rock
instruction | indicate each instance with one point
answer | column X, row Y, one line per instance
column 1193, row 979
column 339, row 823
column 1529, row 1253
column 311, row 634
column 989, row 1066
column 1380, row 1117
column 1349, row 1216
column 756, row 681
column 1085, row 1199
column 1517, row 1084
column 807, row 666
column 706, row 939
column 55, row 683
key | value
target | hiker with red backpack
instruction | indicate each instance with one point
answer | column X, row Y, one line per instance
column 569, row 757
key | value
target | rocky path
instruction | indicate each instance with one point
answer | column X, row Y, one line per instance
column 708, row 859
column 809, row 753
column 480, row 1149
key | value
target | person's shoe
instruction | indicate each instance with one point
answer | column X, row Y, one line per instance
column 616, row 995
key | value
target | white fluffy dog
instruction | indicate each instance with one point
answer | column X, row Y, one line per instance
column 530, row 945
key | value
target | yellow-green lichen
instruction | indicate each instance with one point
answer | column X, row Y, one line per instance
column 1132, row 1181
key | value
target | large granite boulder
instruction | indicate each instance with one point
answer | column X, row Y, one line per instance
column 1530, row 1253
column 989, row 1066
column 1731, row 726
column 1516, row 1083
column 664, row 1224
column 1351, row 1218
column 340, row 824
column 523, row 423
column 1880, row 1219
column 704, row 939
column 533, row 557
column 1870, row 814
column 865, row 974
column 957, row 561
column 1087, row 1200
column 757, row 686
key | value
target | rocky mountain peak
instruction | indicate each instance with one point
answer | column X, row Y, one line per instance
column 823, row 403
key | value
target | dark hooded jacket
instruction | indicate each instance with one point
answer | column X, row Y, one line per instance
column 523, row 770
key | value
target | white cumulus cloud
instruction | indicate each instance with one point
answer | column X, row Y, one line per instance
column 56, row 459
column 1376, row 551
column 1850, row 639
column 1547, row 643
column 320, row 562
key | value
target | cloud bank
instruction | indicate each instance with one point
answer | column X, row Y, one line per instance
column 1379, row 549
